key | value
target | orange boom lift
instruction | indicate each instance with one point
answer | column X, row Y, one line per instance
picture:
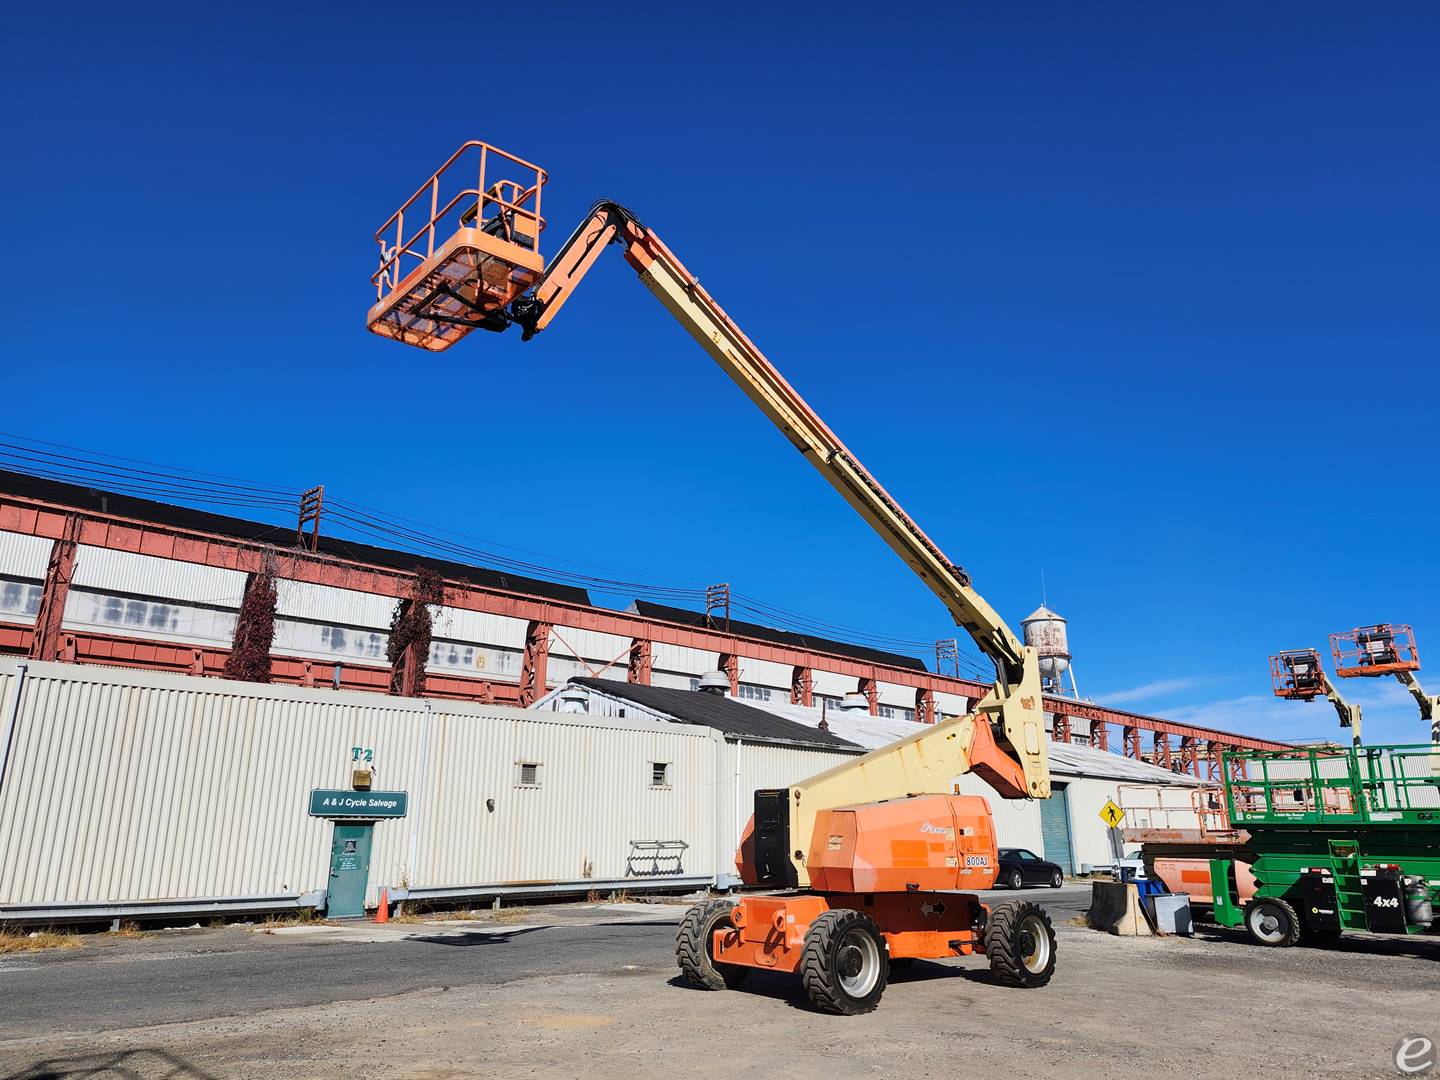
column 868, row 858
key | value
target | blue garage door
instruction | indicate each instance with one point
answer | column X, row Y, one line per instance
column 1055, row 828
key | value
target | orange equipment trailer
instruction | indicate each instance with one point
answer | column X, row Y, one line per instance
column 870, row 855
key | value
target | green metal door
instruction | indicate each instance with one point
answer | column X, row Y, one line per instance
column 349, row 870
column 1055, row 828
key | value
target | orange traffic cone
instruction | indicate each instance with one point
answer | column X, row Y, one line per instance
column 382, row 913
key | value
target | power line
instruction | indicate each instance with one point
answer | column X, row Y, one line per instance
column 151, row 480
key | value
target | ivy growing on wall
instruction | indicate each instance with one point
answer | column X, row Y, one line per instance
column 249, row 659
column 410, row 629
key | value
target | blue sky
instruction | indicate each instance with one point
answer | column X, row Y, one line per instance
column 1139, row 296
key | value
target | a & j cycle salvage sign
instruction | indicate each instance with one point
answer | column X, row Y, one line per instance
column 339, row 803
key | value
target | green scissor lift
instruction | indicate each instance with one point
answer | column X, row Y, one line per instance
column 1343, row 839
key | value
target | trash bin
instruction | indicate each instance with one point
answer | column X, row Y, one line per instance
column 1172, row 914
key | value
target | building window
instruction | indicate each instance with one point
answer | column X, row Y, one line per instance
column 826, row 701
column 659, row 774
column 19, row 598
column 753, row 692
column 527, row 774
column 896, row 712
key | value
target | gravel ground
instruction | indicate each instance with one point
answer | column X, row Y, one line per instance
column 1118, row 1007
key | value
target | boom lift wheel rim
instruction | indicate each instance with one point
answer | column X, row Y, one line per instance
column 857, row 962
column 1034, row 944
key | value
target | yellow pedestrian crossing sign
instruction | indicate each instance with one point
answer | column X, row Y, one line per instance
column 1111, row 814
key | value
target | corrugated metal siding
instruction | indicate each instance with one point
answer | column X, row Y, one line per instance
column 589, row 644
column 594, row 797
column 328, row 604
column 761, row 766
column 127, row 785
column 561, row 669
column 1017, row 821
column 951, row 704
column 678, row 658
column 902, row 697
column 827, row 682
column 149, row 575
column 459, row 624
column 24, row 556
column 766, row 673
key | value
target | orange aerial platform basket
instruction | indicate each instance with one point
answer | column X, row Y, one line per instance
column 1383, row 649
column 1296, row 673
column 459, row 250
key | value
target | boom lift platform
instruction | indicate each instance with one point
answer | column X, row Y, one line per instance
column 1386, row 649
column 1298, row 675
column 867, row 852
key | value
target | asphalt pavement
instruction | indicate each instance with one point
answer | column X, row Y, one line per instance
column 201, row 974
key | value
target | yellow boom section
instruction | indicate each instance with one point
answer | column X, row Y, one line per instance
column 1004, row 740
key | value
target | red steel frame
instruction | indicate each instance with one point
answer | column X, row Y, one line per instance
column 47, row 641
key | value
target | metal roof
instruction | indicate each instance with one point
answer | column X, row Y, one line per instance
column 183, row 517
column 1066, row 759
column 724, row 714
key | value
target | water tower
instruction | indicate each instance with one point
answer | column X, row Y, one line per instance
column 1045, row 632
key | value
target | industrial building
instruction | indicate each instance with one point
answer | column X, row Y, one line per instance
column 95, row 576
column 1066, row 828
column 545, row 743
column 128, row 793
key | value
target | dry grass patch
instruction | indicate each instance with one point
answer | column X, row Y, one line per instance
column 405, row 915
column 127, row 930
column 298, row 917
column 511, row 914
column 18, row 941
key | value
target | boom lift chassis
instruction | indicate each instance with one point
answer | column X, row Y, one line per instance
column 870, row 851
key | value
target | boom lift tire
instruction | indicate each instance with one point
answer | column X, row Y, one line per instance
column 693, row 947
column 1020, row 941
column 1272, row 923
column 845, row 964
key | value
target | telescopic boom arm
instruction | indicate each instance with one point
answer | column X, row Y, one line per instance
column 1429, row 703
column 1349, row 714
column 925, row 762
